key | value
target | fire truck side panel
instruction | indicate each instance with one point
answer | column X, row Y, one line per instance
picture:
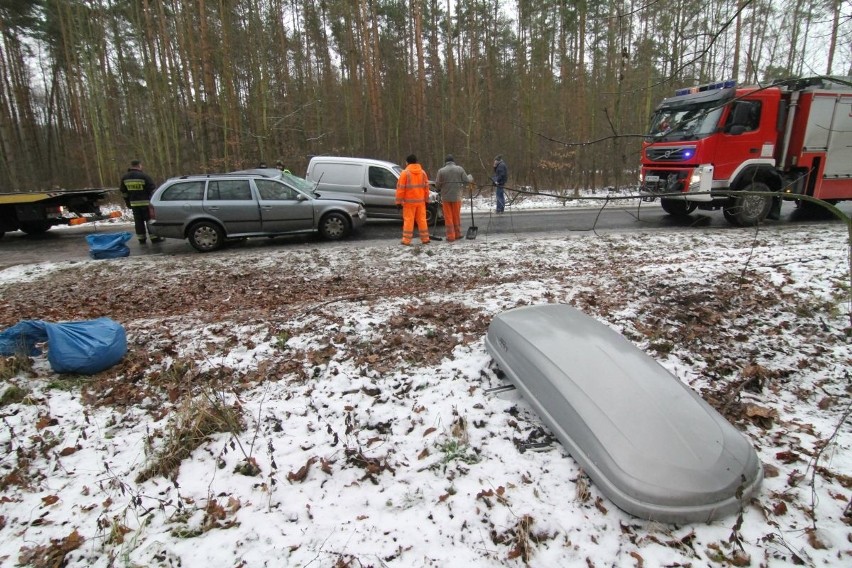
column 824, row 146
column 838, row 161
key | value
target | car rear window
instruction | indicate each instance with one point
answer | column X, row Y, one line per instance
column 184, row 191
column 229, row 190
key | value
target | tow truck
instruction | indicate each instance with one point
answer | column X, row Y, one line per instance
column 36, row 212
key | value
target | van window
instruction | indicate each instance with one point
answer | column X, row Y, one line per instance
column 229, row 190
column 272, row 190
column 184, row 191
column 338, row 174
column 381, row 177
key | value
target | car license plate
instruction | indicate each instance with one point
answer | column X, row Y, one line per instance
column 652, row 179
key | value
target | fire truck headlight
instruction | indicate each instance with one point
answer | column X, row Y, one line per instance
column 701, row 180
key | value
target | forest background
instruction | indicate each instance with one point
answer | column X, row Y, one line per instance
column 563, row 89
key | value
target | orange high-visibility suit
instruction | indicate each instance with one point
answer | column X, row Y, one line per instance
column 412, row 192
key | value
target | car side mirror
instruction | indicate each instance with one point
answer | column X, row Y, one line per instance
column 301, row 197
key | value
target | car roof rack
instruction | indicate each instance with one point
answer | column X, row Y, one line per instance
column 225, row 174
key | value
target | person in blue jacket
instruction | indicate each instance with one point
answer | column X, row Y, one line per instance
column 501, row 174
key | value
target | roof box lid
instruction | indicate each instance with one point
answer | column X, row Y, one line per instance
column 649, row 442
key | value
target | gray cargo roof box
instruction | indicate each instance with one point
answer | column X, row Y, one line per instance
column 646, row 440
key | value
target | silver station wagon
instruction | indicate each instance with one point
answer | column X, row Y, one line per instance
column 209, row 209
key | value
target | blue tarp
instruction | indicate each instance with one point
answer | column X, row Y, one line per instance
column 85, row 347
column 108, row 245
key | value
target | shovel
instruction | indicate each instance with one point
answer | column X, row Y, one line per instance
column 473, row 229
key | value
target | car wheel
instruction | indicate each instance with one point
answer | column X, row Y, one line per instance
column 749, row 210
column 35, row 227
column 206, row 236
column 432, row 214
column 678, row 207
column 334, row 226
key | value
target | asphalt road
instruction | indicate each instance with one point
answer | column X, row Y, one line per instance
column 69, row 243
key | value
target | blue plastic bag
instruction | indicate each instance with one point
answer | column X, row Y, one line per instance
column 108, row 245
column 22, row 338
column 85, row 347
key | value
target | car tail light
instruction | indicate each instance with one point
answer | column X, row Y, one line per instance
column 151, row 212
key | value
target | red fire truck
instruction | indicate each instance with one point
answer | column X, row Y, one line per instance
column 709, row 144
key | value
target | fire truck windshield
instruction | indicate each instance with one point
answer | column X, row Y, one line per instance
column 684, row 122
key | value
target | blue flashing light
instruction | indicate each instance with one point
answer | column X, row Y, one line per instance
column 706, row 87
column 687, row 154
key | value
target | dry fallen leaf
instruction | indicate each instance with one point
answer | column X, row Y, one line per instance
column 302, row 473
column 49, row 499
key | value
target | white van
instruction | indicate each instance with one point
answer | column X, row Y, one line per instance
column 372, row 181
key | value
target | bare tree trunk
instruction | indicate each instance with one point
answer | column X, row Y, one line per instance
column 832, row 44
column 420, row 89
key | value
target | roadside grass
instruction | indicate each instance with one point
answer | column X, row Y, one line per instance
column 14, row 365
column 192, row 422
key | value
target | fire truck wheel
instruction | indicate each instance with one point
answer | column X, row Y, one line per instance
column 728, row 212
column 678, row 207
column 749, row 210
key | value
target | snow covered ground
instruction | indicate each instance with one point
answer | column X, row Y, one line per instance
column 325, row 405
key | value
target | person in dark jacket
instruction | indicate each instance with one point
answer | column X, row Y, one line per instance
column 501, row 175
column 136, row 188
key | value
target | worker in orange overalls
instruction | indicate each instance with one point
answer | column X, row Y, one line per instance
column 412, row 196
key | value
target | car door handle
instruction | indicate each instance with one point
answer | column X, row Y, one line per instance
column 753, row 150
column 365, row 189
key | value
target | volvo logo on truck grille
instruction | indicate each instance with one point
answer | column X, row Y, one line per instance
column 678, row 154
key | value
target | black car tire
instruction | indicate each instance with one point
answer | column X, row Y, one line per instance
column 432, row 213
column 335, row 226
column 206, row 236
